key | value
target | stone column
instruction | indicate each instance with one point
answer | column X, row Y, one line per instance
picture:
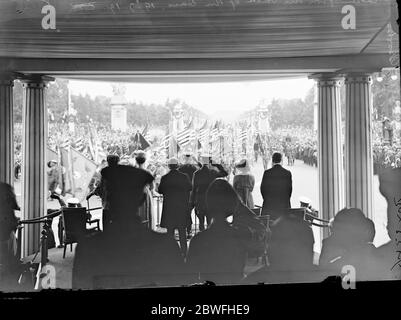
column 34, row 188
column 358, row 143
column 330, row 158
column 6, row 130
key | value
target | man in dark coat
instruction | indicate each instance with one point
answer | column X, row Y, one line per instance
column 189, row 169
column 201, row 181
column 175, row 188
column 129, row 254
column 276, row 188
column 100, row 190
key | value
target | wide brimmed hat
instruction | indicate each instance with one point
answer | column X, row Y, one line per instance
column 242, row 165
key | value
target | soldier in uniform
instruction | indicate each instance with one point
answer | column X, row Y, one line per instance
column 201, row 181
column 175, row 186
column 189, row 169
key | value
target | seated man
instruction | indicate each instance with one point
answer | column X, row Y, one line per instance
column 128, row 254
column 390, row 252
column 218, row 254
column 351, row 243
column 290, row 254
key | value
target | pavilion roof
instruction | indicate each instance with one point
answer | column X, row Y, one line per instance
column 282, row 37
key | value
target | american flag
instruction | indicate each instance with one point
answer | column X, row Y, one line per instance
column 203, row 132
column 184, row 137
column 243, row 135
column 66, row 143
column 79, row 144
column 187, row 135
column 166, row 141
column 215, row 131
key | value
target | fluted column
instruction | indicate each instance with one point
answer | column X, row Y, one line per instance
column 34, row 188
column 358, row 143
column 6, row 130
column 330, row 159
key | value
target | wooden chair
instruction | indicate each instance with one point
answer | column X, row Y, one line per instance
column 74, row 224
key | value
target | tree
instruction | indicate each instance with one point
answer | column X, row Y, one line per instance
column 56, row 98
column 293, row 112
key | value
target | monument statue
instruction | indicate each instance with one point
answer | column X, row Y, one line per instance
column 119, row 89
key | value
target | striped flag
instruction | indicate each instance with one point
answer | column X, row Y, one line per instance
column 187, row 135
column 166, row 140
column 66, row 143
column 215, row 131
column 79, row 144
column 184, row 137
column 203, row 134
column 243, row 135
column 165, row 143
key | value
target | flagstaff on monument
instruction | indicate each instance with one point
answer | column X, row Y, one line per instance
column 118, row 108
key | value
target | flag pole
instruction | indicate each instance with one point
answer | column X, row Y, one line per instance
column 71, row 171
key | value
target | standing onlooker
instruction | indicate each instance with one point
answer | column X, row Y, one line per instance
column 218, row 254
column 101, row 190
column 244, row 182
column 202, row 179
column 175, row 187
column 189, row 168
column 145, row 210
column 276, row 188
column 52, row 175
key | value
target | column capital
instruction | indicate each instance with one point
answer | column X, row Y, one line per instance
column 358, row 77
column 7, row 78
column 35, row 80
column 325, row 79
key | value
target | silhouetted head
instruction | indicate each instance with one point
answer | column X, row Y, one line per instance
column 351, row 226
column 140, row 157
column 221, row 199
column 113, row 160
column 8, row 200
column 277, row 158
column 291, row 244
